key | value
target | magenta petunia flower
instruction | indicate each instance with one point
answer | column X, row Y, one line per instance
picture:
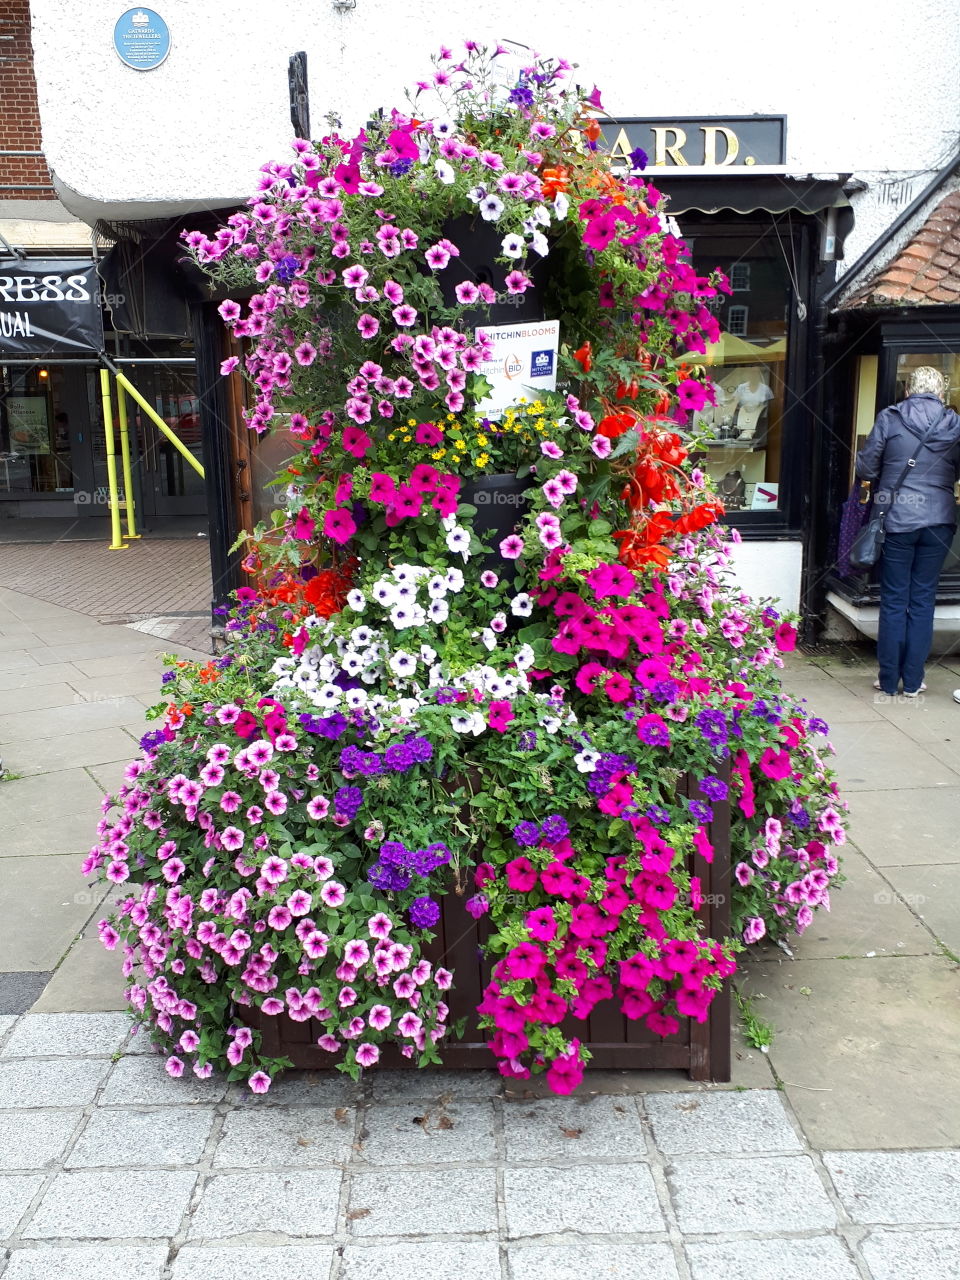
column 259, row 1082
column 511, row 548
column 339, row 525
column 368, row 325
column 333, row 893
column 367, row 1054
column 517, row 282
column 404, row 315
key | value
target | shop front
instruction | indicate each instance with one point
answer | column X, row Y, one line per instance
column 891, row 320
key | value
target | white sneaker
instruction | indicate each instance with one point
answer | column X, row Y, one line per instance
column 956, row 695
column 922, row 689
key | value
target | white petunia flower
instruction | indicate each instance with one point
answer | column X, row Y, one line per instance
column 512, row 246
column 489, row 639
column 428, row 656
column 361, row 636
column 491, row 207
column 454, row 579
column 444, row 173
column 439, row 611
column 540, row 213
column 403, row 664
column 461, row 723
column 540, row 244
column 524, row 657
column 403, row 616
column 385, row 593
column 329, row 695
column 356, row 600
column 351, row 663
column 561, row 205
column 437, row 588
column 521, row 606
column 458, row 540
column 356, row 698
column 586, row 761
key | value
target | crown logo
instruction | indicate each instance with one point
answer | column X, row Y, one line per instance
column 140, row 19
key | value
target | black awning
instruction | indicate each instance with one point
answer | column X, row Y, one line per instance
column 745, row 193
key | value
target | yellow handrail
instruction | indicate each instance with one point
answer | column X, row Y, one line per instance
column 125, row 457
column 116, row 541
column 124, row 382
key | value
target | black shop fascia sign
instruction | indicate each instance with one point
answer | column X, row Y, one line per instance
column 49, row 306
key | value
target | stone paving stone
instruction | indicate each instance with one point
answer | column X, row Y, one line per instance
column 295, row 1137
column 595, row 1199
column 37, row 676
column 301, row 1088
column 727, row 1123
column 886, row 829
column 6, row 1022
column 771, row 1193
column 820, row 1258
column 934, row 893
column 478, row 1260
column 16, row 1192
column 88, row 978
column 902, row 1255
column 20, row 988
column 591, row 1262
column 44, row 904
column 894, row 1187
column 47, row 755
column 88, row 1262
column 94, row 1204
column 423, row 1202
column 50, row 1083
column 285, row 1262
column 395, row 1136
column 79, row 717
column 294, row 1204
column 398, row 1086
column 571, row 1129
column 35, row 1139
column 67, row 1034
column 137, row 1138
column 140, row 1080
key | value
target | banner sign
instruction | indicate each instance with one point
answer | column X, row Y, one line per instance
column 693, row 142
column 50, row 307
column 524, row 362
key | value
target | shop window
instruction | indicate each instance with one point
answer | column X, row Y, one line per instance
column 35, row 433
column 748, row 365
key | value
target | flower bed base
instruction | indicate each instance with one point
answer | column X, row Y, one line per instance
column 615, row 1042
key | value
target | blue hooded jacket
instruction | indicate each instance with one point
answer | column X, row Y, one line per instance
column 926, row 495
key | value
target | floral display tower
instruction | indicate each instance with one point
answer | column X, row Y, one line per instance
column 497, row 761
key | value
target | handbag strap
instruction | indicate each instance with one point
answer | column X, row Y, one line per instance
column 908, row 467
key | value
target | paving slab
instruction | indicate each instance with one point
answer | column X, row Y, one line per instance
column 598, row 1199
column 49, row 1082
column 478, row 1260
column 146, row 662
column 48, row 755
column 755, row 1121
column 285, row 1262
column 764, row 1193
column 109, row 777
column 404, row 1202
column 169, row 1138
column 294, row 1204
column 98, row 1204
column 300, row 1088
column 44, row 904
column 871, row 757
column 291, row 1138
column 436, row 1086
column 573, row 1130
column 16, row 1193
column 88, row 978
column 894, row 1188
column 819, row 1258
column 896, row 828
column 580, row 1262
column 868, row 1057
column 35, row 1139
column 67, row 1034
column 88, row 1262
column 37, row 697
column 7, row 1020
column 934, row 893
column 36, row 677
column 140, row 1080
column 411, row 1134
column 79, row 717
column 17, row 660
column 903, row 1255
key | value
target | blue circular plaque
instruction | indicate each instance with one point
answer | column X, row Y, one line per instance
column 141, row 39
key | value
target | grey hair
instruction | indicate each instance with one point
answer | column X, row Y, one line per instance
column 928, row 381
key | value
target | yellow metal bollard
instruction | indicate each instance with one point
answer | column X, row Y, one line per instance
column 125, row 455
column 116, row 543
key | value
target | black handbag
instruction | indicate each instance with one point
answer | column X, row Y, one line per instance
column 868, row 545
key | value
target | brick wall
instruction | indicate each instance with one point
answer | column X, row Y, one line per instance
column 21, row 177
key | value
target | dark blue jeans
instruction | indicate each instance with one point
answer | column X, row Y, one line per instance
column 909, row 572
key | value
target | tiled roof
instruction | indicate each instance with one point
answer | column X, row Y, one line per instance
column 926, row 272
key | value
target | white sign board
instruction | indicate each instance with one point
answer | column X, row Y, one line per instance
column 523, row 363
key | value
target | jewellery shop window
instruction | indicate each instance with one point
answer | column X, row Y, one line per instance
column 748, row 364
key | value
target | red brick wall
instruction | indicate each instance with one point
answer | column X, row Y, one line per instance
column 20, row 176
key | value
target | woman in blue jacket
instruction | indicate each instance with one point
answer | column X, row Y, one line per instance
column 919, row 526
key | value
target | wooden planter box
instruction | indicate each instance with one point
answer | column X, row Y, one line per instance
column 615, row 1042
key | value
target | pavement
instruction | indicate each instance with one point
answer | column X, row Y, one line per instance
column 834, row 1156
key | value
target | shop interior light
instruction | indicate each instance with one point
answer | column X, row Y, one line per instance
column 43, row 374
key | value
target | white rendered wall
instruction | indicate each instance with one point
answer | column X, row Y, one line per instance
column 768, row 570
column 868, row 89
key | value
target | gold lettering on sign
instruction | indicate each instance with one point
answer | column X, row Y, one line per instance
column 620, row 151
column 662, row 148
column 731, row 140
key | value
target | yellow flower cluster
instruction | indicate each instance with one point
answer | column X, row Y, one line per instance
column 470, row 439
